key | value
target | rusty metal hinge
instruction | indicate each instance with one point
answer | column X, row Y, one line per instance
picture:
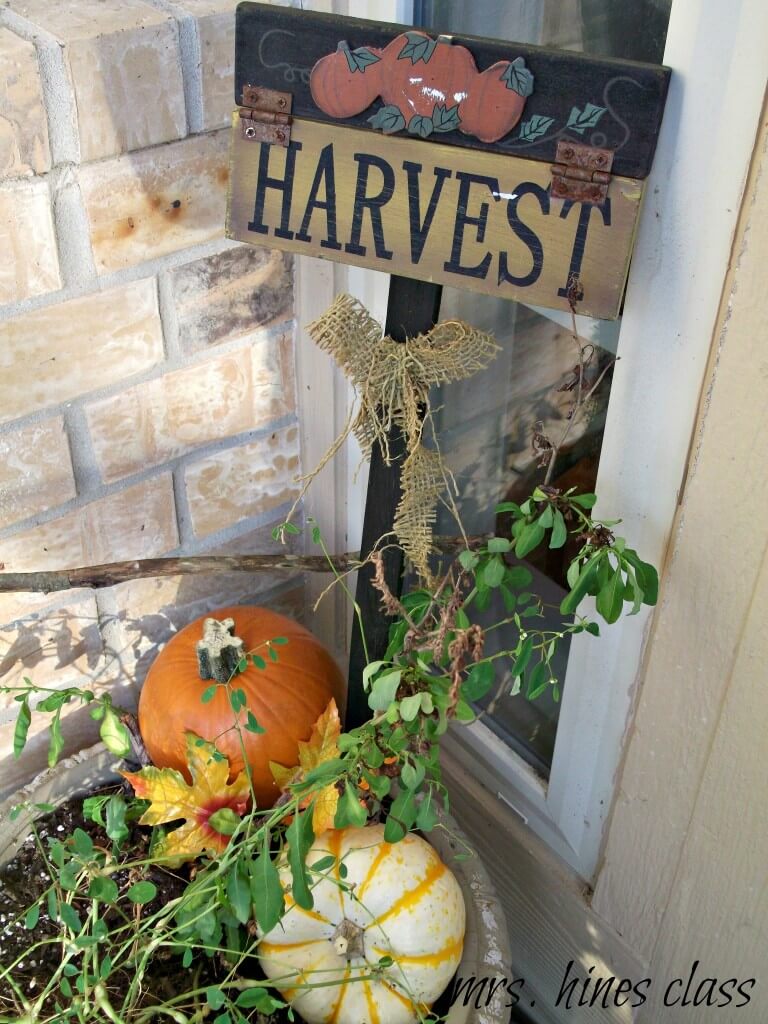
column 265, row 115
column 582, row 173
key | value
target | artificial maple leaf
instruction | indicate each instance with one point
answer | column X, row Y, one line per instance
column 171, row 798
column 321, row 746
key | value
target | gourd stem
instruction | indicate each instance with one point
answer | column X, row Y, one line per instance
column 220, row 652
column 348, row 940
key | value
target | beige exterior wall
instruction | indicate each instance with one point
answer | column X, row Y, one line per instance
column 147, row 392
column 684, row 872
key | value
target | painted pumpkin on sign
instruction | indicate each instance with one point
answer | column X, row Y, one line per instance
column 403, row 902
column 285, row 693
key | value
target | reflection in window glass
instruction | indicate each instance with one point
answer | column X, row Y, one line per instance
column 486, row 423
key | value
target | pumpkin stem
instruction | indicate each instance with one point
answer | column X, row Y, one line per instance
column 348, row 940
column 220, row 651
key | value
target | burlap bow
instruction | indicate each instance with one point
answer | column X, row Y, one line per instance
column 392, row 381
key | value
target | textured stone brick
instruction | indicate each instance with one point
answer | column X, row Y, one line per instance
column 139, row 522
column 54, row 647
column 35, row 470
column 62, row 351
column 230, row 294
column 216, row 32
column 250, row 480
column 152, row 610
column 124, row 64
column 29, row 264
column 172, row 415
column 23, row 125
column 157, row 201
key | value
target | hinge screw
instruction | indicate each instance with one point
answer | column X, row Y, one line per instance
column 568, row 154
column 250, row 132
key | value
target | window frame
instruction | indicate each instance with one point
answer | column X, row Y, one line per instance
column 692, row 198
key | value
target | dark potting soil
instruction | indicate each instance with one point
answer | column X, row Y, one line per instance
column 26, row 878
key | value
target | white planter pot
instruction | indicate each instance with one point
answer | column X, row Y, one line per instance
column 486, row 943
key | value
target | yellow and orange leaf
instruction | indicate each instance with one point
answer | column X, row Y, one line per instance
column 172, row 798
column 321, row 746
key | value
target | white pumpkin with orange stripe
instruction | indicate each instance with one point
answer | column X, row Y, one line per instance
column 403, row 903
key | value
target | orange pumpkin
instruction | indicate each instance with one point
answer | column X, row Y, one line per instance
column 286, row 697
column 445, row 78
column 347, row 81
column 491, row 108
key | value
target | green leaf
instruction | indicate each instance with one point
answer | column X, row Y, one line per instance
column 426, row 815
column 68, row 877
column 498, row 545
column 349, row 812
column 580, row 120
column 258, row 661
column 323, row 864
column 384, row 690
column 299, row 836
column 294, row 531
column 380, row 784
column 114, row 735
column 412, row 774
column 523, row 657
column 418, row 47
column 266, row 890
column 360, row 59
column 259, row 999
column 508, row 506
column 478, row 682
column 103, row 889
column 23, row 722
column 530, row 537
column 115, row 826
column 468, row 559
column 402, row 816
column 610, row 599
column 421, row 125
column 225, row 821
column 518, row 577
column 445, row 118
column 237, row 699
column 583, row 500
column 252, row 724
column 538, row 680
column 580, row 588
column 493, row 572
column 279, row 641
column 647, row 577
column 537, row 126
column 186, row 960
column 82, row 844
column 142, row 892
column 574, row 570
column 32, row 917
column 70, row 917
column 559, row 531
column 215, row 997
column 518, row 77
column 410, row 707
column 547, row 517
column 208, row 694
column 370, row 670
column 464, row 713
column 239, row 893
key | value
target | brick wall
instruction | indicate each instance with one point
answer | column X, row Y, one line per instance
column 147, row 394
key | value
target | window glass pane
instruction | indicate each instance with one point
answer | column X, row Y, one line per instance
column 486, row 424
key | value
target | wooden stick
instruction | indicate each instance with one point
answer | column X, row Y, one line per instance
column 111, row 573
column 107, row 575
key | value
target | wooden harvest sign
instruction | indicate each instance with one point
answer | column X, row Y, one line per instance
column 413, row 155
column 453, row 216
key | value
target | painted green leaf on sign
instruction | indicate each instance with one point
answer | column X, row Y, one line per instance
column 534, row 128
column 361, row 58
column 444, row 118
column 419, row 47
column 388, row 120
column 421, row 126
column 518, row 78
column 580, row 120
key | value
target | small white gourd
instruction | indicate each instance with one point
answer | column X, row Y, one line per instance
column 403, row 902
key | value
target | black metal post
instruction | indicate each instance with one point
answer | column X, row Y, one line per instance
column 412, row 309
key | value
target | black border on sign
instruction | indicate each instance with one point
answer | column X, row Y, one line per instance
column 276, row 48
